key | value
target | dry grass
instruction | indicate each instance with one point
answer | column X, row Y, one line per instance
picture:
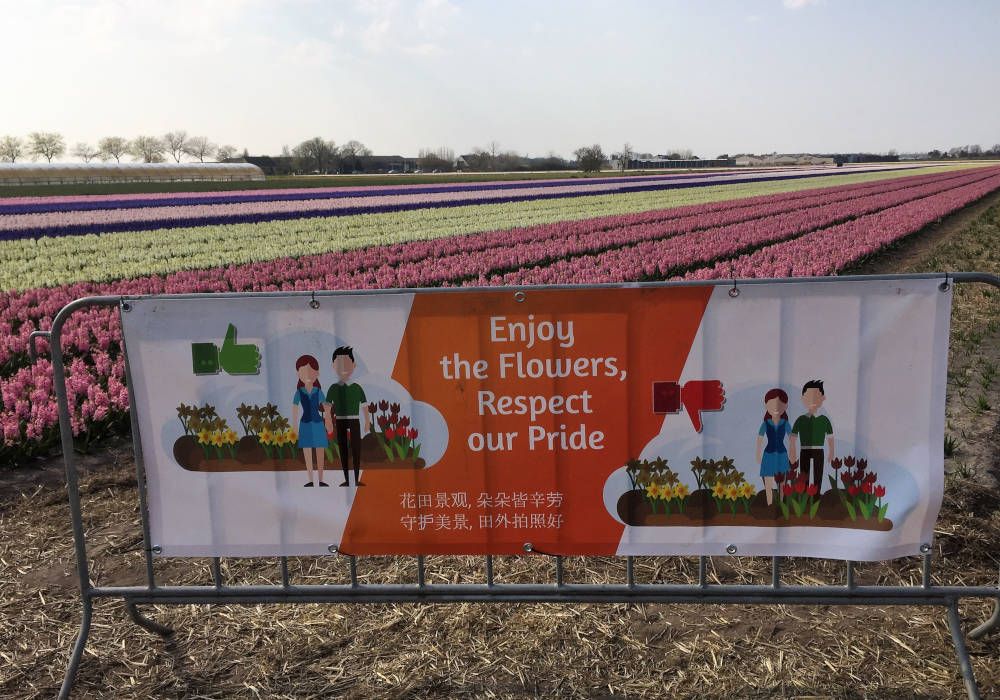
column 504, row 650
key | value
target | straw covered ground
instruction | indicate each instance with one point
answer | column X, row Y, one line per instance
column 520, row 651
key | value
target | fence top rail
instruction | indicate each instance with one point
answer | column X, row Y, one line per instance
column 113, row 300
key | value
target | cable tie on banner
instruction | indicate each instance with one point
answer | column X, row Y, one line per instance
column 735, row 291
column 313, row 304
column 945, row 286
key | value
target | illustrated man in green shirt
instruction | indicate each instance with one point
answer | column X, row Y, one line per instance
column 812, row 431
column 350, row 408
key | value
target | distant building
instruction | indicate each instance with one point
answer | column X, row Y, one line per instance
column 773, row 159
column 664, row 163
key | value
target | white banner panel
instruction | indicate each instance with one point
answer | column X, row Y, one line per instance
column 794, row 419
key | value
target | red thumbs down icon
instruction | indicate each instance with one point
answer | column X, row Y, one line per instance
column 694, row 396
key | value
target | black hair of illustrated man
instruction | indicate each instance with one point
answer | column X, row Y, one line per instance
column 813, row 384
column 343, row 350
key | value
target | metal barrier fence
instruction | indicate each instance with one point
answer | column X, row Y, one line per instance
column 420, row 591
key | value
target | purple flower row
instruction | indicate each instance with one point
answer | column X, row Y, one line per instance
column 20, row 226
column 40, row 205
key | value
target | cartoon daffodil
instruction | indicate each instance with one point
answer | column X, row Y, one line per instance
column 681, row 491
column 218, row 438
column 653, row 490
column 205, row 436
column 719, row 490
column 265, row 437
column 747, row 490
column 732, row 492
column 666, row 493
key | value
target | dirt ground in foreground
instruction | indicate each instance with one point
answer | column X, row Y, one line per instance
column 521, row 651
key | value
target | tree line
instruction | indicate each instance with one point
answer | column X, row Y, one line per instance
column 173, row 145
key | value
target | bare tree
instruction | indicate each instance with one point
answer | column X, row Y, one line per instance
column 11, row 148
column 316, row 155
column 441, row 159
column 176, row 144
column 85, row 152
column 224, row 153
column 148, row 149
column 199, row 147
column 625, row 157
column 351, row 153
column 46, row 144
column 590, row 158
column 113, row 147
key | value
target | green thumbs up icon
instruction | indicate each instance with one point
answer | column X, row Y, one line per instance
column 232, row 358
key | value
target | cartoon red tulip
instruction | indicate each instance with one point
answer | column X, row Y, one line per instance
column 879, row 491
column 413, row 433
column 812, row 490
column 390, row 434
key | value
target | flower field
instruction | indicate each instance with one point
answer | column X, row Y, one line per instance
column 701, row 226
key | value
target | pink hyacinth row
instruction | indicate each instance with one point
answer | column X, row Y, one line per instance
column 663, row 258
column 92, row 339
column 24, row 312
column 830, row 250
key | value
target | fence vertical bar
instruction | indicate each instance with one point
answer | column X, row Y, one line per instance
column 775, row 572
column 140, row 473
column 925, row 576
column 702, row 566
column 962, row 651
column 354, row 570
column 217, row 572
column 559, row 571
column 630, row 571
column 489, row 571
column 421, row 580
column 851, row 584
column 283, row 567
column 72, row 481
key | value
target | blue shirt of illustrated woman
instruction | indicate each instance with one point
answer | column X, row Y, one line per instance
column 775, row 460
column 312, row 432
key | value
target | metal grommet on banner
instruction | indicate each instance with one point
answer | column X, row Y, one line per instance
column 313, row 304
column 126, row 307
column 528, row 547
column 156, row 549
column 520, row 296
column 731, row 549
column 925, row 548
column 333, row 549
column 945, row 286
column 735, row 291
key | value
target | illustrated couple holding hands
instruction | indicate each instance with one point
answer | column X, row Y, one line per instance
column 337, row 415
column 810, row 438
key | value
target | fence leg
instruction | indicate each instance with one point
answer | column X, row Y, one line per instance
column 988, row 626
column 77, row 654
column 961, row 651
column 147, row 623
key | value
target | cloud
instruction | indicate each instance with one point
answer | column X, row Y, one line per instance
column 799, row 4
column 420, row 30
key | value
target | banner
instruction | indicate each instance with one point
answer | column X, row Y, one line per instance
column 794, row 419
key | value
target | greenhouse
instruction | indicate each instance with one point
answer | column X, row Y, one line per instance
column 94, row 173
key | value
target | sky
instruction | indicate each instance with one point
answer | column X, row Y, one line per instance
column 535, row 76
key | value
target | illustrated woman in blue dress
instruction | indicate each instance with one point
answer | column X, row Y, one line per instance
column 771, row 450
column 309, row 399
